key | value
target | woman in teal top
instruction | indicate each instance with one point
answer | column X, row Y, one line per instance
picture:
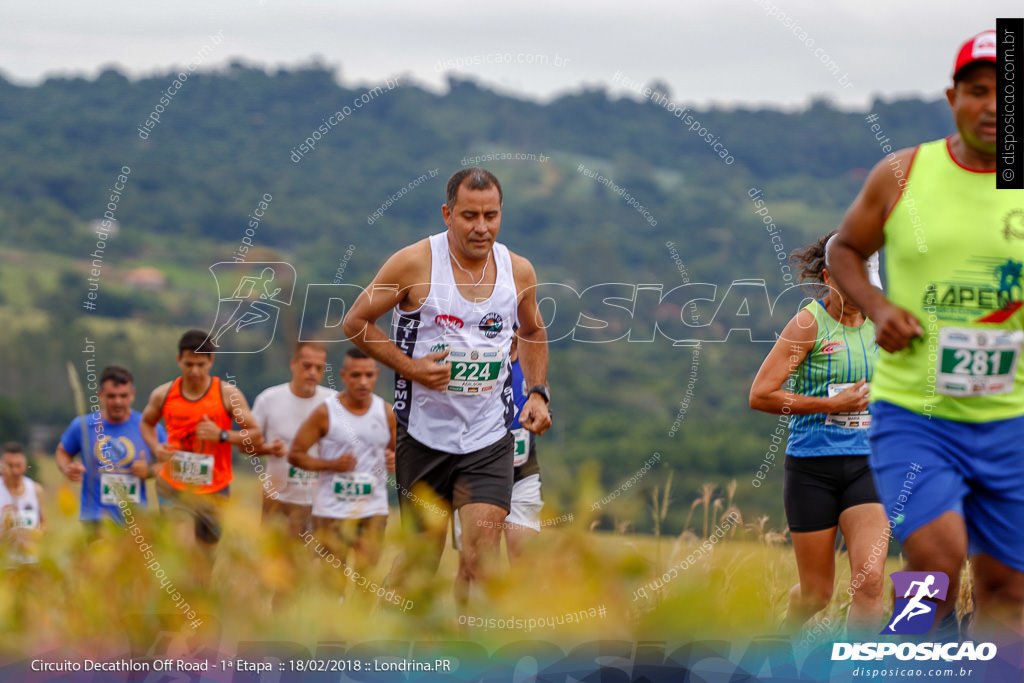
column 828, row 350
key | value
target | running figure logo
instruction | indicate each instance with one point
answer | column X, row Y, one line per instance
column 1009, row 274
column 912, row 614
column 250, row 296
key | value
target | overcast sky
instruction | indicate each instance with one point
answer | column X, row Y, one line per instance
column 729, row 52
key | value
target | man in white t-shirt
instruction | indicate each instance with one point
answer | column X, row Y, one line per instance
column 280, row 411
column 355, row 432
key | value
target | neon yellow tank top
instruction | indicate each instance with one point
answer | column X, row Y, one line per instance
column 954, row 255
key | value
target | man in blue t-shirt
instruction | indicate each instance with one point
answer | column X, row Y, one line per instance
column 116, row 462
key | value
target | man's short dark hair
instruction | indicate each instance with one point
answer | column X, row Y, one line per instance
column 117, row 375
column 479, row 179
column 196, row 341
column 311, row 343
column 13, row 447
column 355, row 352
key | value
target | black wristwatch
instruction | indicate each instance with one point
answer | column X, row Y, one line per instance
column 223, row 435
column 542, row 390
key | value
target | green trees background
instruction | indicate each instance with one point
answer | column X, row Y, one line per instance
column 226, row 139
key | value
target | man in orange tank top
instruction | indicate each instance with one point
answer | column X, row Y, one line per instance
column 197, row 411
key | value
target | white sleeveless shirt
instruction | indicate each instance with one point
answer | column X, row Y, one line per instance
column 476, row 408
column 22, row 511
column 362, row 492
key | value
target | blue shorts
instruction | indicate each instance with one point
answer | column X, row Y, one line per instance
column 925, row 467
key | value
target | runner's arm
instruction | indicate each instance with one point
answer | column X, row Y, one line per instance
column 862, row 233
column 533, row 347
column 68, row 466
column 141, row 469
column 791, row 348
column 311, row 431
column 39, row 497
column 146, row 466
column 389, row 289
column 277, row 448
column 151, row 415
column 249, row 439
column 389, row 452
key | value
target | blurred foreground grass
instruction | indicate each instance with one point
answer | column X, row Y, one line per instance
column 100, row 599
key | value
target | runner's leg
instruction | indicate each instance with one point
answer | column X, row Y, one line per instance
column 939, row 546
column 866, row 531
column 816, row 565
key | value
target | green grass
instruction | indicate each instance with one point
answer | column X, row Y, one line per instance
column 25, row 272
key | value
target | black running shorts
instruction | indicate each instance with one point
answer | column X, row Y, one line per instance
column 482, row 476
column 817, row 489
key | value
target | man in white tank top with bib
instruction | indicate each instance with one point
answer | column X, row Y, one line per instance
column 354, row 431
column 21, row 510
column 457, row 298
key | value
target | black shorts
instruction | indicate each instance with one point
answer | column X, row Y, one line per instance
column 483, row 476
column 817, row 489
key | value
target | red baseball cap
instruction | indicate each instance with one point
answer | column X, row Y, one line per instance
column 980, row 48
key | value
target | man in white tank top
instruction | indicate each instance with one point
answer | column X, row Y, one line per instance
column 21, row 510
column 355, row 433
column 457, row 298
column 279, row 411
